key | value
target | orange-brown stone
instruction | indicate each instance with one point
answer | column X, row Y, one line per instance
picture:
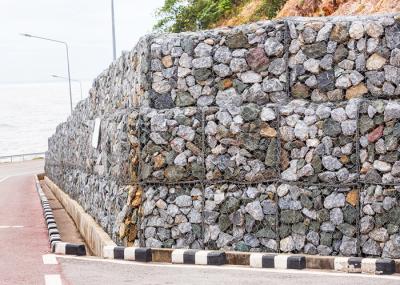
column 356, row 91
column 268, row 132
column 159, row 161
column 344, row 159
column 352, row 197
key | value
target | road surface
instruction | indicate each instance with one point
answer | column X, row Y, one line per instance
column 24, row 242
column 21, row 168
column 86, row 271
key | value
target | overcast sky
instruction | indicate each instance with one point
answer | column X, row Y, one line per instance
column 84, row 24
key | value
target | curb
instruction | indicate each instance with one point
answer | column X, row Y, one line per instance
column 127, row 253
column 277, row 261
column 95, row 237
column 379, row 266
column 255, row 260
column 56, row 244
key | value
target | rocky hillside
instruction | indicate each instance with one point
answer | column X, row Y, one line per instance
column 338, row 7
column 254, row 9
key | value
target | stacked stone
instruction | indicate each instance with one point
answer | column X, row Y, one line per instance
column 241, row 217
column 379, row 141
column 100, row 178
column 210, row 116
column 222, row 67
column 318, row 220
column 380, row 221
column 319, row 142
column 278, row 136
column 172, row 147
column 172, row 216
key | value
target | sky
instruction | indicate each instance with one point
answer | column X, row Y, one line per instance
column 32, row 103
column 85, row 25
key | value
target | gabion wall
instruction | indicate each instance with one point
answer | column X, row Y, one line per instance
column 278, row 136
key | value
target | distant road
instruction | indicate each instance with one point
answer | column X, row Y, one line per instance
column 21, row 168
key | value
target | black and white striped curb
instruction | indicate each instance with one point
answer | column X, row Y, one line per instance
column 127, row 253
column 68, row 248
column 56, row 244
column 262, row 260
column 199, row 257
column 365, row 265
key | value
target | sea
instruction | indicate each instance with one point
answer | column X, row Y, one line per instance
column 30, row 113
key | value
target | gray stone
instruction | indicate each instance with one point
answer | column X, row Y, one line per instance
column 326, row 81
column 395, row 57
column 277, row 66
column 334, row 200
column 379, row 235
column 291, row 216
column 392, row 111
column 183, row 201
column 315, row 50
column 223, row 55
column 348, row 247
column 273, row 47
column 272, row 85
column 255, row 210
column 237, row 40
column 238, row 65
column 331, row 163
column 203, row 49
column 392, row 247
column 287, row 244
column 250, row 112
column 336, row 216
column 228, row 98
column 250, row 77
column 222, row 70
column 371, row 247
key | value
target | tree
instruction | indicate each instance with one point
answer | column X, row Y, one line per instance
column 191, row 15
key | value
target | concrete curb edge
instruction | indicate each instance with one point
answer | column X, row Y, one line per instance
column 56, row 244
column 95, row 237
column 255, row 260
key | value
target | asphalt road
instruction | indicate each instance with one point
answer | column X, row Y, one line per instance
column 88, row 271
column 23, row 234
column 21, row 168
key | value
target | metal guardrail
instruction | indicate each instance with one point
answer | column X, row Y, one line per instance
column 14, row 157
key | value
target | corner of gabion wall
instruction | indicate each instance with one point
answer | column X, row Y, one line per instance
column 278, row 136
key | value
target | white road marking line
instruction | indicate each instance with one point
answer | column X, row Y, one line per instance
column 20, row 174
column 52, row 279
column 49, row 259
column 4, row 179
column 235, row 267
column 7, row 227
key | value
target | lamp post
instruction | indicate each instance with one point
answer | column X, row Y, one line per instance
column 113, row 30
column 66, row 48
column 66, row 78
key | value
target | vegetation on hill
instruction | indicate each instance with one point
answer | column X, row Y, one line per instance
column 192, row 15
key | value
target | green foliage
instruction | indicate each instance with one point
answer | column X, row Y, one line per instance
column 269, row 9
column 191, row 15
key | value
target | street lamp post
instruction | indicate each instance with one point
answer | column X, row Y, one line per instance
column 113, row 30
column 66, row 48
column 66, row 78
